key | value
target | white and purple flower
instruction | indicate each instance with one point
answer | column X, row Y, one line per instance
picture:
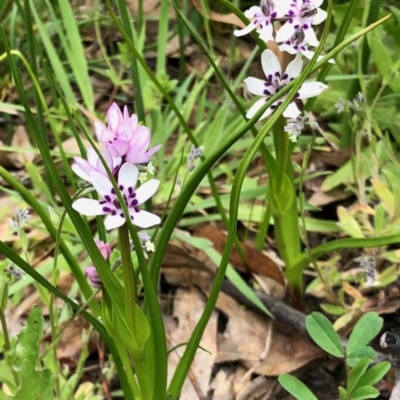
column 84, row 168
column 110, row 206
column 262, row 18
column 298, row 44
column 302, row 14
column 275, row 81
column 124, row 137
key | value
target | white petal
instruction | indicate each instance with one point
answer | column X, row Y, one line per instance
column 245, row 30
column 291, row 111
column 252, row 11
column 319, row 17
column 285, row 32
column 99, row 127
column 114, row 117
column 92, row 157
column 147, row 190
column 270, row 63
column 107, row 158
column 113, row 221
column 255, row 86
column 266, row 33
column 255, row 107
column 281, row 7
column 88, row 207
column 144, row 219
column 293, row 70
column 128, row 175
column 311, row 89
column 316, row 3
column 80, row 172
column 288, row 48
column 310, row 37
column 309, row 54
column 101, row 183
column 267, row 113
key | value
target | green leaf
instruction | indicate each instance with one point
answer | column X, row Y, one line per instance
column 36, row 383
column 343, row 393
column 333, row 309
column 382, row 59
column 143, row 334
column 348, row 223
column 323, row 334
column 374, row 374
column 295, row 387
column 366, row 351
column 365, row 392
column 367, row 327
column 356, row 373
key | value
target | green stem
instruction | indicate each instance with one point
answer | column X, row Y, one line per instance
column 282, row 151
column 130, row 306
column 128, row 368
column 129, row 277
column 286, row 218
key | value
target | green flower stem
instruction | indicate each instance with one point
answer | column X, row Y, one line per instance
column 286, row 220
column 137, row 395
column 129, row 277
column 3, row 321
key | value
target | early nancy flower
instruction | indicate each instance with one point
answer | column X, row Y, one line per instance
column 83, row 168
column 275, row 81
column 124, row 136
column 296, row 125
column 302, row 14
column 110, row 206
column 20, row 219
column 298, row 44
column 262, row 18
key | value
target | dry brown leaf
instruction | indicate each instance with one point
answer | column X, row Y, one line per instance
column 321, row 198
column 223, row 386
column 261, row 344
column 256, row 262
column 230, row 18
column 183, row 265
column 71, row 146
column 188, row 307
column 259, row 388
column 17, row 159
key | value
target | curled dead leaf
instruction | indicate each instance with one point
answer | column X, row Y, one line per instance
column 256, row 262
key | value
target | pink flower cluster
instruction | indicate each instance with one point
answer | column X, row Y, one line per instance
column 126, row 144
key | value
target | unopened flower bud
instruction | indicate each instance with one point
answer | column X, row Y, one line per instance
column 93, row 276
column 105, row 249
column 266, row 6
column 20, row 219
